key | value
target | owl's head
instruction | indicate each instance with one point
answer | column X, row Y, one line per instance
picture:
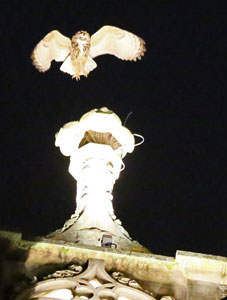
column 81, row 36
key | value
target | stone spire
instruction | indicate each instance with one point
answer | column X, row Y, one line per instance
column 96, row 145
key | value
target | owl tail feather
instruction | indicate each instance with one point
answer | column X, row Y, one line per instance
column 75, row 70
column 90, row 65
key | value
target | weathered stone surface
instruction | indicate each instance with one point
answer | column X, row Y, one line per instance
column 187, row 276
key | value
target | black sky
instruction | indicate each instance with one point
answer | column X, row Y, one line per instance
column 172, row 194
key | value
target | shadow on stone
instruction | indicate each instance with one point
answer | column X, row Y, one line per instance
column 13, row 274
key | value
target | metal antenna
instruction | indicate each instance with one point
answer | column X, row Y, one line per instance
column 126, row 119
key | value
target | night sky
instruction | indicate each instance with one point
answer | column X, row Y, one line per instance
column 172, row 194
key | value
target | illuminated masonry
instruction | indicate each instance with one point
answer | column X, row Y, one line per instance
column 94, row 283
column 118, row 268
column 96, row 145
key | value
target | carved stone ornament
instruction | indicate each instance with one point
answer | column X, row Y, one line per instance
column 94, row 283
column 72, row 270
column 96, row 144
column 223, row 291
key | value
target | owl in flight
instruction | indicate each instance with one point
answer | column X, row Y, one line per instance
column 77, row 53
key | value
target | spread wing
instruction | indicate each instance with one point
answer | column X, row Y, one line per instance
column 53, row 46
column 121, row 43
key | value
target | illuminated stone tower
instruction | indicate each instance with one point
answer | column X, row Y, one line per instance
column 93, row 256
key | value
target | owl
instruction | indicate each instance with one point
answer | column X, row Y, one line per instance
column 77, row 53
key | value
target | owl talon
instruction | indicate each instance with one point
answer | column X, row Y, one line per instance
column 76, row 76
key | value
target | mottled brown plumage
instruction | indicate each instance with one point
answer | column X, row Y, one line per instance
column 77, row 54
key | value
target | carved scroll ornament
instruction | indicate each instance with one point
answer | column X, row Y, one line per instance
column 94, row 284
